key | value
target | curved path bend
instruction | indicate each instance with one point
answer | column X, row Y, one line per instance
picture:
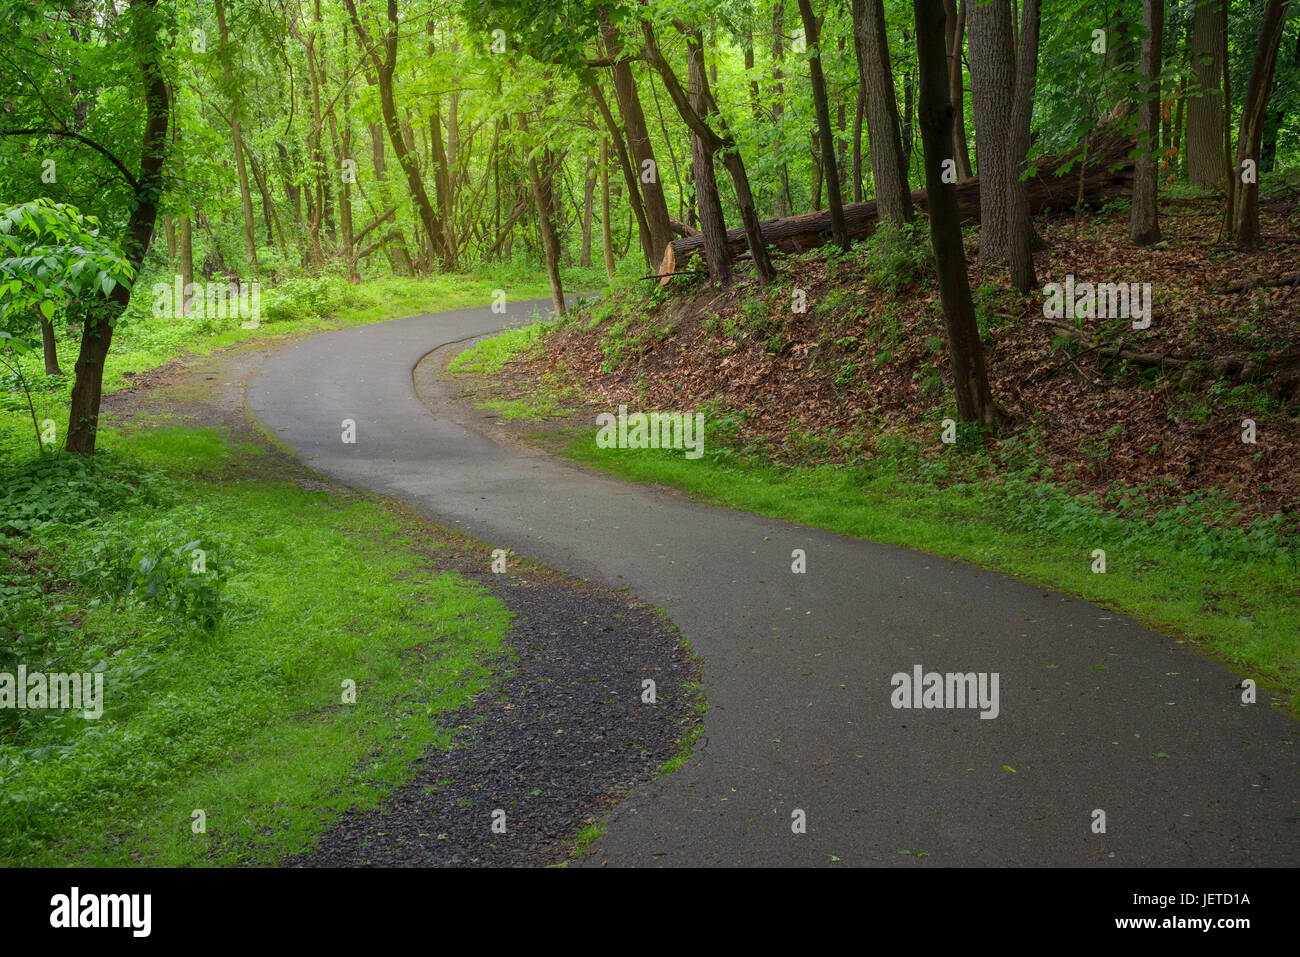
column 1095, row 711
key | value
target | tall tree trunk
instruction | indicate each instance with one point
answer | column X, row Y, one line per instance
column 636, row 206
column 1205, row 109
column 399, row 257
column 858, row 118
column 588, row 192
column 954, row 26
column 1144, row 225
column 638, row 136
column 49, row 345
column 245, row 194
column 717, row 253
column 383, row 69
column 830, row 170
column 888, row 165
column 783, row 203
column 970, row 379
column 606, row 228
column 1020, row 226
column 97, row 330
column 1254, row 110
column 715, row 141
column 992, row 77
column 544, row 199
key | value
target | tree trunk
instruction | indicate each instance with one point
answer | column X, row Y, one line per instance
column 717, row 253
column 715, row 141
column 888, row 165
column 245, row 194
column 544, row 200
column 1020, row 226
column 97, row 330
column 384, row 77
column 606, row 228
column 1144, row 226
column 966, row 354
column 783, row 203
column 1253, row 112
column 637, row 207
column 1205, row 108
column 954, row 27
column 830, row 168
column 992, row 76
column 49, row 345
column 588, row 192
column 638, row 137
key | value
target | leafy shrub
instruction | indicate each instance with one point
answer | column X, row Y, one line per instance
column 184, row 575
column 305, row 298
column 74, row 491
column 897, row 256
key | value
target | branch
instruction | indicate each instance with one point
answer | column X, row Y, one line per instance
column 131, row 180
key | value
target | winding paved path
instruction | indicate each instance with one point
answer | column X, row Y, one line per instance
column 797, row 667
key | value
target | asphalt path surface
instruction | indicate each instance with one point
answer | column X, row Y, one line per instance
column 1095, row 713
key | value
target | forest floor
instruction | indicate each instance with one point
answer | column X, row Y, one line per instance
column 865, row 366
column 833, row 416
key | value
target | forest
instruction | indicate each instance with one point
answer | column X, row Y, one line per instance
column 1009, row 282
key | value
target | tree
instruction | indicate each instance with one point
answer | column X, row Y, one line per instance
column 888, row 165
column 825, row 134
column 1205, row 106
column 1253, row 113
column 1144, row 227
column 715, row 141
column 992, row 79
column 965, row 354
column 954, row 31
column 1020, row 226
column 383, row 67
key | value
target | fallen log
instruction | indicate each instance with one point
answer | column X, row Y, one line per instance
column 1108, row 172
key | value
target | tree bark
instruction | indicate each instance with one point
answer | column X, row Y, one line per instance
column 992, row 76
column 606, row 228
column 1205, row 106
column 97, row 331
column 888, row 166
column 544, row 199
column 1250, row 133
column 830, row 168
column 717, row 253
column 954, row 27
column 1020, row 226
column 1144, row 225
column 638, row 138
column 966, row 354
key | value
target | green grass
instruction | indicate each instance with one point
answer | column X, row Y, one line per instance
column 488, row 356
column 245, row 723
column 1234, row 594
column 143, row 342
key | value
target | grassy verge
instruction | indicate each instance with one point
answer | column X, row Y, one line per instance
column 1186, row 570
column 143, row 342
column 224, row 690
